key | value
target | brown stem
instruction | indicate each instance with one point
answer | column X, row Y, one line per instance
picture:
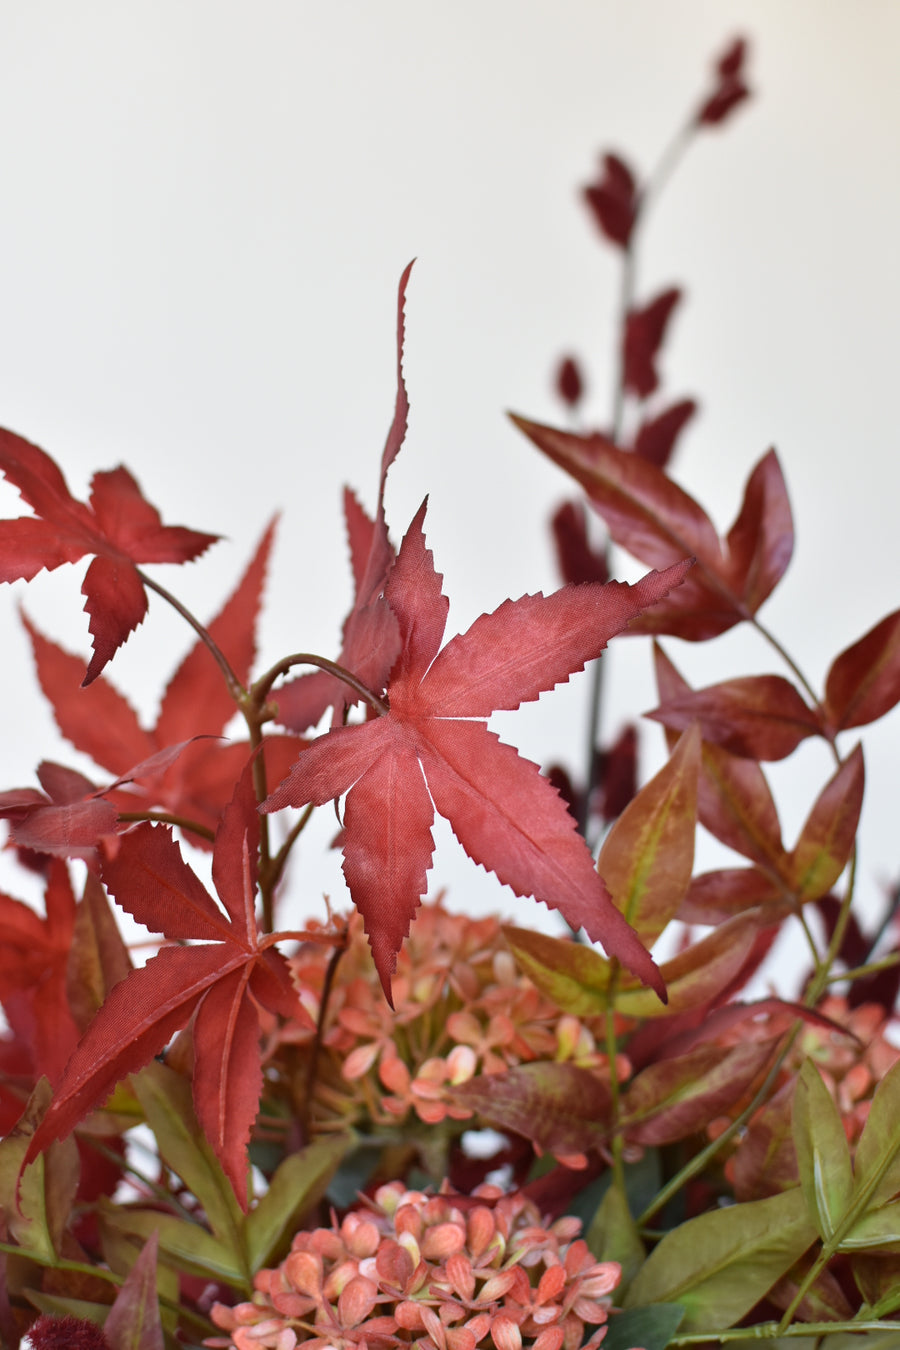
column 235, row 688
column 167, row 818
column 260, row 690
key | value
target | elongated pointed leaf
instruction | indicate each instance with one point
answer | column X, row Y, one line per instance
column 878, row 1151
column 98, row 958
column 298, row 1183
column 165, row 1099
column 652, row 1328
column 826, row 840
column 560, row 1107
column 647, row 857
column 713, row 897
column 614, row 1236
column 673, row 1098
column 696, row 975
column 187, row 1247
column 823, row 1154
column 720, row 1264
column 758, row 716
column 877, row 1231
column 133, row 1322
column 573, row 975
column 864, row 681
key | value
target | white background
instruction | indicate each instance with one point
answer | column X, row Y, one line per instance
column 206, row 206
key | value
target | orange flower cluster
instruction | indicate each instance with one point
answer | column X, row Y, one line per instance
column 462, row 1007
column 437, row 1272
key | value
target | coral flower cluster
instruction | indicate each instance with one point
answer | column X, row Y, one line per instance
column 462, row 1007
column 438, row 1272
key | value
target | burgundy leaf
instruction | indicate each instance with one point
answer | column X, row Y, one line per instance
column 758, row 716
column 577, row 559
column 613, row 200
column 864, row 681
column 645, row 330
column 569, row 381
column 656, row 437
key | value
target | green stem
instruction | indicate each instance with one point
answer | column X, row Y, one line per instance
column 612, row 1046
column 861, row 972
column 768, row 1331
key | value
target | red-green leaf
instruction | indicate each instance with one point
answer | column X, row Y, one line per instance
column 714, row 897
column 133, row 1322
column 698, row 974
column 826, row 840
column 559, row 1107
column 647, row 857
column 675, row 1097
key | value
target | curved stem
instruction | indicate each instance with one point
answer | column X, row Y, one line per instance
column 262, row 686
column 235, row 688
column 280, row 859
column 786, row 658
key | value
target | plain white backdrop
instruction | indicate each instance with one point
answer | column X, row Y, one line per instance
column 207, row 204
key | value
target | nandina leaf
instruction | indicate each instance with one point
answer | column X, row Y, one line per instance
column 658, row 523
column 720, row 1264
column 697, row 975
column 730, row 89
column 734, row 800
column 645, row 330
column 877, row 1162
column 766, row 1160
column 134, row 1322
column 559, row 1107
column 616, row 774
column 149, row 878
column 576, row 557
column 371, row 640
column 647, row 857
column 675, row 1097
column 864, row 681
column 573, row 975
column 569, row 381
column 826, row 840
column 714, row 897
column 823, row 1154
column 613, row 200
column 504, row 813
column 757, row 716
column 656, row 437
column 119, row 527
column 298, row 1183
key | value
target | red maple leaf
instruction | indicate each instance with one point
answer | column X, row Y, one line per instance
column 219, row 982
column 196, row 707
column 371, row 639
column 118, row 526
column 34, row 953
column 432, row 745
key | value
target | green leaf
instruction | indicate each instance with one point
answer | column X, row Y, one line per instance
column 879, row 1229
column 878, row 1150
column 37, row 1201
column 186, row 1246
column 613, row 1236
column 722, row 1263
column 823, row 1154
column 651, row 1327
column 134, row 1322
column 167, row 1104
column 571, row 974
column 648, row 856
column 297, row 1184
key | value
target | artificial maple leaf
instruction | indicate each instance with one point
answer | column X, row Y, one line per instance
column 218, row 983
column 196, row 707
column 371, row 639
column 118, row 526
column 34, row 953
column 432, row 745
